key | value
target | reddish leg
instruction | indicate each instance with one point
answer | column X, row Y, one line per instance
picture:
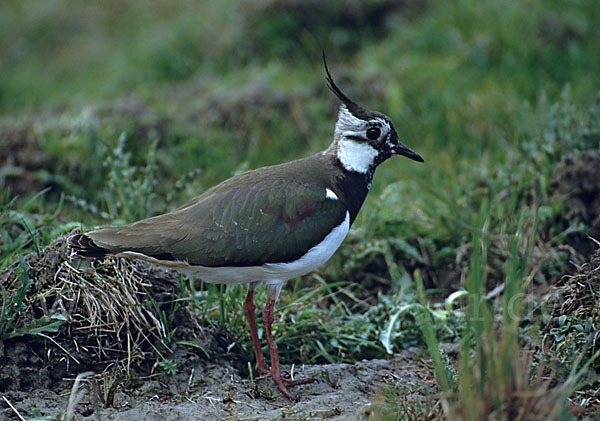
column 249, row 307
column 268, row 318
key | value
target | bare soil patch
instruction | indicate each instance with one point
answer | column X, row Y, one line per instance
column 216, row 390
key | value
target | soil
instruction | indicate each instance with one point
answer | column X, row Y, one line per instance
column 576, row 182
column 216, row 390
column 22, row 159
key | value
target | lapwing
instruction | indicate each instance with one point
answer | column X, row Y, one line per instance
column 267, row 225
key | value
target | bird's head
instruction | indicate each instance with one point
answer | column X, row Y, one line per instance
column 364, row 138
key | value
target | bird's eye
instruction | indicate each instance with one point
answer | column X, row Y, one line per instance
column 373, row 133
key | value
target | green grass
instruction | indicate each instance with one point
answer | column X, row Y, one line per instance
column 138, row 109
column 14, row 296
column 496, row 376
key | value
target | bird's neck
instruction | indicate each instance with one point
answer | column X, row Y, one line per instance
column 354, row 156
column 356, row 164
column 354, row 188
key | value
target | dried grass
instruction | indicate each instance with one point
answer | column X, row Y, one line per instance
column 110, row 306
column 572, row 336
column 111, row 318
column 576, row 294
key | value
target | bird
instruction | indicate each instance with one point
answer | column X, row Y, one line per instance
column 267, row 225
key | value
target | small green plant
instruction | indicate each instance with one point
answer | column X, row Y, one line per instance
column 167, row 366
column 402, row 401
column 37, row 416
column 26, row 226
column 572, row 333
column 166, row 312
column 13, row 303
column 166, row 320
column 129, row 190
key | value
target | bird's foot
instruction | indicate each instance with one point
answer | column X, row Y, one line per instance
column 262, row 369
column 283, row 384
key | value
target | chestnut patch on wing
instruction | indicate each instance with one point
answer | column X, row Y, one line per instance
column 293, row 218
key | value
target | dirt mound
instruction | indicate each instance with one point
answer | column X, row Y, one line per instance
column 575, row 311
column 69, row 317
column 576, row 182
column 22, row 160
column 572, row 335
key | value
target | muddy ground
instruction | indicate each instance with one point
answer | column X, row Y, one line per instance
column 216, row 390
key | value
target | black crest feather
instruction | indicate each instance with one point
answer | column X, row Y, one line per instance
column 352, row 106
column 333, row 87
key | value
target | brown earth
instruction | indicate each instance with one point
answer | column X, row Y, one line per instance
column 576, row 182
column 216, row 390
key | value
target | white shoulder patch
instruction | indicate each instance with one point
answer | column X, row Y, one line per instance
column 329, row 194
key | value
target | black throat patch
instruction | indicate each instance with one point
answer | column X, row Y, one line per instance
column 354, row 187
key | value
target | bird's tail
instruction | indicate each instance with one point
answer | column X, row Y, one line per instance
column 85, row 246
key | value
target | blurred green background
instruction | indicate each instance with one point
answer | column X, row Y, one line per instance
column 116, row 111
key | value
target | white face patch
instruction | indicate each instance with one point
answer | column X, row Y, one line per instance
column 356, row 156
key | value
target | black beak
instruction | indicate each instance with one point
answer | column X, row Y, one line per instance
column 400, row 149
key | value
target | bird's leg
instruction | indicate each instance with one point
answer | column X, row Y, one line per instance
column 249, row 307
column 272, row 295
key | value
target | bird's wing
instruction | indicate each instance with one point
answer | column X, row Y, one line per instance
column 241, row 224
